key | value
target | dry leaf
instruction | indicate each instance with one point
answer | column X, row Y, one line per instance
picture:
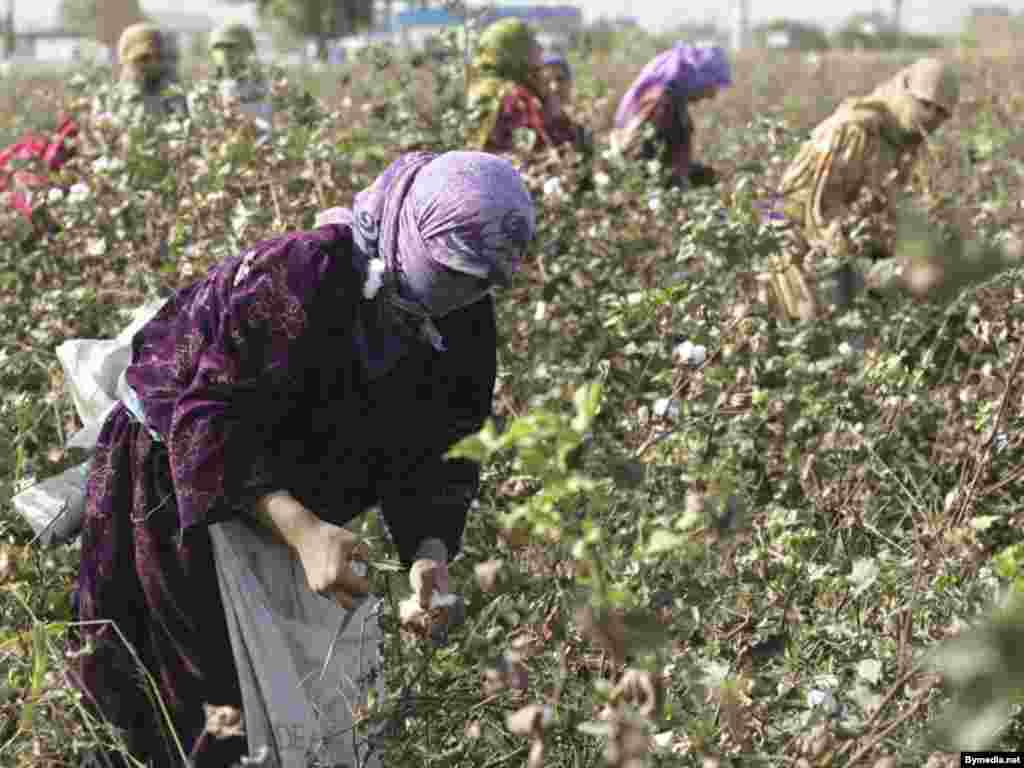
column 8, row 562
column 487, row 574
column 223, row 722
column 641, row 689
column 608, row 631
column 529, row 720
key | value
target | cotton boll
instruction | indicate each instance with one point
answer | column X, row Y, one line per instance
column 553, row 187
column 692, row 354
column 666, row 408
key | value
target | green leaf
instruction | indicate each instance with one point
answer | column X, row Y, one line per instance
column 587, row 399
column 38, row 674
column 865, row 573
column 663, row 541
column 644, row 633
column 984, row 522
column 595, row 728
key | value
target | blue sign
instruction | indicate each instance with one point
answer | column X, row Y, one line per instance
column 535, row 12
column 426, row 17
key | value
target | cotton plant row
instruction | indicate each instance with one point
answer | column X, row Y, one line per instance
column 707, row 524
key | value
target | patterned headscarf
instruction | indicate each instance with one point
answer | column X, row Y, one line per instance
column 503, row 51
column 559, row 61
column 683, row 69
column 447, row 228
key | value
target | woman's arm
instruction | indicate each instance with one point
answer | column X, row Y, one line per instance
column 325, row 550
column 204, row 365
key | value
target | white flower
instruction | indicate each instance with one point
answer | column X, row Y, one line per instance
column 374, row 277
column 553, row 186
column 78, row 193
column 55, row 195
column 601, row 179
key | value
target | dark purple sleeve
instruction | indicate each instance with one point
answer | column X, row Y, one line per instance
column 232, row 336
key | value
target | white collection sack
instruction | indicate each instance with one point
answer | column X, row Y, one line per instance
column 94, row 375
column 305, row 664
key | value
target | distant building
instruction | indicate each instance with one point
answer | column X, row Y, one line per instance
column 990, row 10
column 557, row 23
column 53, row 44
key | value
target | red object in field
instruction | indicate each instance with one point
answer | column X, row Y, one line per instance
column 44, row 154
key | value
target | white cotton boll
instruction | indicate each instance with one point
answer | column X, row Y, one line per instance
column 822, row 699
column 374, row 277
column 999, row 441
column 553, row 187
column 437, row 600
column 654, row 203
column 54, row 196
column 692, row 354
column 666, row 408
column 602, row 179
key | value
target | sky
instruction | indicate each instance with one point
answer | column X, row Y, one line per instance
column 935, row 16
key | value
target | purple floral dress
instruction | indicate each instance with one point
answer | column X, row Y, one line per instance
column 251, row 381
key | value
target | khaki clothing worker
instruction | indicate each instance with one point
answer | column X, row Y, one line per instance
column 867, row 143
column 148, row 73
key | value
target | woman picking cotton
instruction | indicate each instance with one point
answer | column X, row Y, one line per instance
column 869, row 143
column 660, row 97
column 508, row 92
column 301, row 382
column 233, row 56
column 559, row 76
column 148, row 61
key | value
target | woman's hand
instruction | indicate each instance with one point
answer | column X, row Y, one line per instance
column 426, row 577
column 327, row 552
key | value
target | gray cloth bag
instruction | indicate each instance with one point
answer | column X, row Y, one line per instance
column 305, row 664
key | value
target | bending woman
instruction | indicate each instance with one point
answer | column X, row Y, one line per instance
column 509, row 92
column 301, row 382
column 868, row 142
column 661, row 96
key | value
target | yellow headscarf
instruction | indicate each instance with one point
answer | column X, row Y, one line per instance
column 502, row 62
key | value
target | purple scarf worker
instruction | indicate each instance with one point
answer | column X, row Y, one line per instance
column 299, row 383
column 660, row 96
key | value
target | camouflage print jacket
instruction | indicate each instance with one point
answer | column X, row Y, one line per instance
column 860, row 148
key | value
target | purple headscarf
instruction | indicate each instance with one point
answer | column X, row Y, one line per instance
column 558, row 60
column 683, row 68
column 447, row 227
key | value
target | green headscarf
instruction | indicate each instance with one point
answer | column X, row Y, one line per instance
column 504, row 51
column 502, row 61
